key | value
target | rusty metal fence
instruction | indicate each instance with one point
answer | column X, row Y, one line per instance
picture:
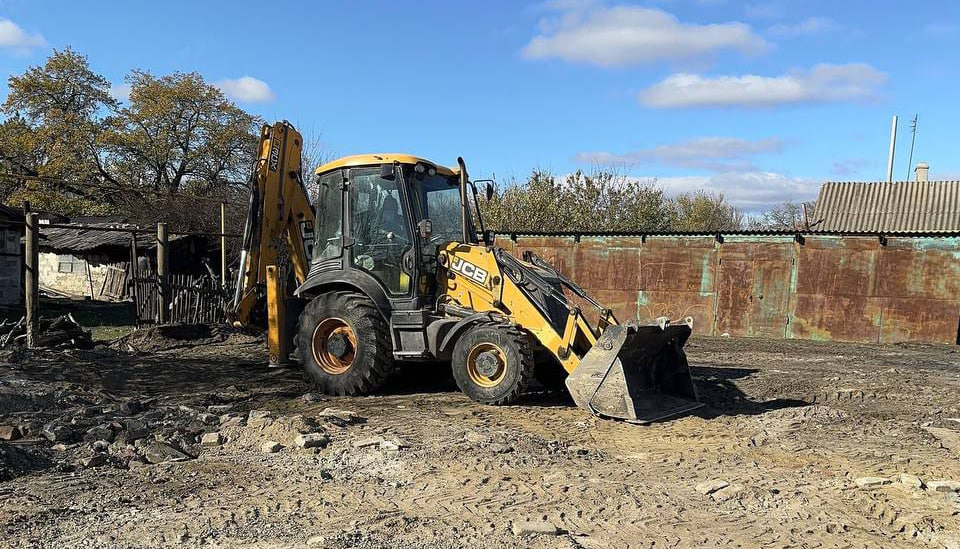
column 871, row 288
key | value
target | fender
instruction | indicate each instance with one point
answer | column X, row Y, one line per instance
column 352, row 278
column 457, row 330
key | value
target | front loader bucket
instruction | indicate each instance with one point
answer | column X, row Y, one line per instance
column 636, row 373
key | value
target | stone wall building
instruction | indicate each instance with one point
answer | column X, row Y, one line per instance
column 94, row 262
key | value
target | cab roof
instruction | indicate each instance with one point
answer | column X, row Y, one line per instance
column 383, row 158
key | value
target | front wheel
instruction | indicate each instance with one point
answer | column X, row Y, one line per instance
column 493, row 364
column 344, row 344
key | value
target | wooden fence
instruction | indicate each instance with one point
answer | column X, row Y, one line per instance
column 193, row 299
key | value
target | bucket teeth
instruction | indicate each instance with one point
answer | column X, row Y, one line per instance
column 636, row 373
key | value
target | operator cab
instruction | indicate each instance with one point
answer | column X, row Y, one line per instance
column 384, row 218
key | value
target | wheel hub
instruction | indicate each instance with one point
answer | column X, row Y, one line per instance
column 334, row 345
column 487, row 363
column 338, row 345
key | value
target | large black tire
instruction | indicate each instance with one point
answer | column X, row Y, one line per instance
column 503, row 352
column 363, row 341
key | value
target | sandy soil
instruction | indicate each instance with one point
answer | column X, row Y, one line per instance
column 789, row 429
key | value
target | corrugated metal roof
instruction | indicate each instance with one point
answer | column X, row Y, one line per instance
column 890, row 208
column 92, row 239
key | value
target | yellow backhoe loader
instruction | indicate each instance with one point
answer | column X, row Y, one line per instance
column 387, row 264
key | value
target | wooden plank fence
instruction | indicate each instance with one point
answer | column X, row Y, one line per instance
column 193, row 299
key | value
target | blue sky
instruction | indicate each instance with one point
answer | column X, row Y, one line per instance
column 762, row 100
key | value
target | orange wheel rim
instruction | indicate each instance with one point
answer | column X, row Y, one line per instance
column 486, row 365
column 334, row 345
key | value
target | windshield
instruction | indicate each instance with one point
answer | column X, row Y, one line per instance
column 437, row 198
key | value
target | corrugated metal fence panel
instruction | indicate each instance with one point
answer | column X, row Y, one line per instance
column 898, row 207
column 842, row 288
column 834, row 296
column 754, row 286
column 607, row 267
column 918, row 283
column 678, row 279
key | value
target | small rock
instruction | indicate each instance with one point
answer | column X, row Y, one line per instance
column 579, row 450
column 368, row 442
column 710, row 486
column 499, row 448
column 727, row 493
column 131, row 407
column 259, row 418
column 59, row 447
column 100, row 432
column 340, row 417
column 209, row 419
column 135, row 429
column 393, row 445
column 312, row 440
column 100, row 446
column 211, row 439
column 313, row 397
column 230, row 421
column 317, row 541
column 96, row 460
column 9, row 432
column 219, row 409
column 56, row 433
column 474, row 437
column 270, row 447
column 869, row 483
column 534, row 528
column 911, row 481
column 944, row 485
column 91, row 411
column 159, row 452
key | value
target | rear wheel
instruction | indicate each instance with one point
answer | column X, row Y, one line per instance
column 493, row 364
column 344, row 344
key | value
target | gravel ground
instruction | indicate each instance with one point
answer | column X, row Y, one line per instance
column 179, row 442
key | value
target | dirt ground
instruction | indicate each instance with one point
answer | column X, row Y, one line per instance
column 774, row 459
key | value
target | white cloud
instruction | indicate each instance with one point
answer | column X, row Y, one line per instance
column 941, row 29
column 812, row 26
column 822, row 83
column 630, row 35
column 246, row 89
column 769, row 10
column 120, row 92
column 15, row 38
column 722, row 154
column 755, row 191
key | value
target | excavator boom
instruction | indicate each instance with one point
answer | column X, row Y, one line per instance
column 277, row 239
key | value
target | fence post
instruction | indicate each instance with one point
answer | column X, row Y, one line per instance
column 163, row 284
column 32, row 290
column 223, row 245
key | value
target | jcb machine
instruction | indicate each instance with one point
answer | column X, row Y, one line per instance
column 388, row 265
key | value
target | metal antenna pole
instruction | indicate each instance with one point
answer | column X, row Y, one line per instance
column 913, row 141
column 893, row 148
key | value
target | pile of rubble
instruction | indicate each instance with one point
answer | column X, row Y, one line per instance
column 63, row 331
column 137, row 433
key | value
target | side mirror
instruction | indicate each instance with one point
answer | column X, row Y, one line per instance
column 489, row 237
column 387, row 172
column 489, row 191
